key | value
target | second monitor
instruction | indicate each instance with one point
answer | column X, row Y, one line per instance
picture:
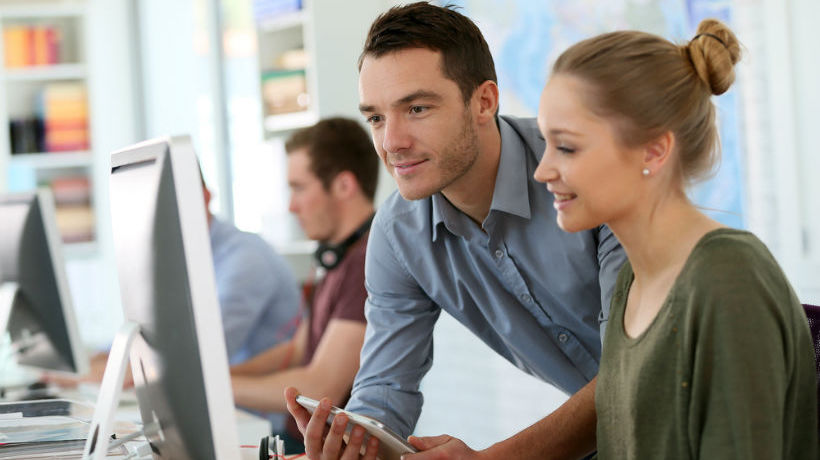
column 35, row 304
column 178, row 358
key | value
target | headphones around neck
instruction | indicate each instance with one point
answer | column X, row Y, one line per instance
column 329, row 256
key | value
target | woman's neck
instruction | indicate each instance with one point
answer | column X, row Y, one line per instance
column 659, row 238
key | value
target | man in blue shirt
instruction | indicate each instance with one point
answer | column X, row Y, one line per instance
column 472, row 234
column 258, row 295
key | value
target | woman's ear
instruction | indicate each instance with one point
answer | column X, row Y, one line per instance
column 658, row 151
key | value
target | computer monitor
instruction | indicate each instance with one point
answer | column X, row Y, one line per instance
column 163, row 252
column 35, row 305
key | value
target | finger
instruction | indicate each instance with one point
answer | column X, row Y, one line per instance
column 299, row 413
column 128, row 380
column 428, row 442
column 354, row 444
column 315, row 429
column 62, row 381
column 372, row 448
column 335, row 437
column 434, row 453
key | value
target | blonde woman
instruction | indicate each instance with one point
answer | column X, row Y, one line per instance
column 707, row 353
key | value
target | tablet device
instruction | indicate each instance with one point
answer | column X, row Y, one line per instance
column 391, row 445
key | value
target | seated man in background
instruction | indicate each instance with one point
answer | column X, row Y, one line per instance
column 332, row 173
column 258, row 296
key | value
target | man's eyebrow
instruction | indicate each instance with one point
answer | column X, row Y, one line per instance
column 415, row 95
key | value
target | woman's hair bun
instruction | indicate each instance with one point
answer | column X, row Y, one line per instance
column 714, row 51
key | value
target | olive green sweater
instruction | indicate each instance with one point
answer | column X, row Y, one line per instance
column 725, row 370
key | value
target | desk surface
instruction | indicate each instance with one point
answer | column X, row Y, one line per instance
column 251, row 428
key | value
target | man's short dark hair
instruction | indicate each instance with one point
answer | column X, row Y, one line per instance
column 335, row 145
column 465, row 56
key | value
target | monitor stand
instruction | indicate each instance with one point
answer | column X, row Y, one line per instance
column 14, row 381
column 18, row 383
column 96, row 445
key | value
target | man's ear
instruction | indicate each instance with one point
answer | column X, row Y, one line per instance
column 658, row 152
column 486, row 96
column 206, row 195
column 344, row 185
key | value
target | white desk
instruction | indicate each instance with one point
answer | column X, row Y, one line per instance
column 251, row 428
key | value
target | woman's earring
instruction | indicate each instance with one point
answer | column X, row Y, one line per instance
column 645, row 171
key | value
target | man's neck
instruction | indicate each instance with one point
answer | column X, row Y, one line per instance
column 352, row 218
column 472, row 193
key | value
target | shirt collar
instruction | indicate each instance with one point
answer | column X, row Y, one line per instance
column 217, row 229
column 511, row 192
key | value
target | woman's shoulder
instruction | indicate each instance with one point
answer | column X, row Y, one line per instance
column 731, row 252
column 733, row 269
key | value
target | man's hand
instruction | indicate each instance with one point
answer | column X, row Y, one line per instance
column 322, row 443
column 442, row 447
column 96, row 370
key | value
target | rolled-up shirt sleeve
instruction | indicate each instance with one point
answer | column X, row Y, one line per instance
column 398, row 346
column 611, row 257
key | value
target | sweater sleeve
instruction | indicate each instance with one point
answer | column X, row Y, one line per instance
column 743, row 357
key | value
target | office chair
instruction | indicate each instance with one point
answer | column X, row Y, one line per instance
column 813, row 315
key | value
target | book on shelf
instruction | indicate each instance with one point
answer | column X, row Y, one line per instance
column 293, row 59
column 284, row 91
column 75, row 215
column 27, row 135
column 64, row 110
column 31, row 45
column 71, row 190
column 45, row 45
column 76, row 223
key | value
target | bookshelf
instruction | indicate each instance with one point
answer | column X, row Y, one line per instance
column 287, row 86
column 46, row 139
column 306, row 58
column 307, row 55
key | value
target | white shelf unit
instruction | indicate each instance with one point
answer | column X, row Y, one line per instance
column 329, row 35
column 79, row 159
column 289, row 121
column 21, row 83
column 289, row 20
column 288, row 89
column 73, row 71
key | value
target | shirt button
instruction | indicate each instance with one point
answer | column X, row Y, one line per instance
column 499, row 253
column 562, row 337
column 526, row 298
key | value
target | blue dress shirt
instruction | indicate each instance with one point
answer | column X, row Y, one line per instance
column 529, row 290
column 258, row 295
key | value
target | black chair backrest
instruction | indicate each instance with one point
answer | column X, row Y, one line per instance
column 813, row 315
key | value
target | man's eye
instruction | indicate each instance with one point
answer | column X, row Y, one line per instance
column 374, row 119
column 418, row 109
